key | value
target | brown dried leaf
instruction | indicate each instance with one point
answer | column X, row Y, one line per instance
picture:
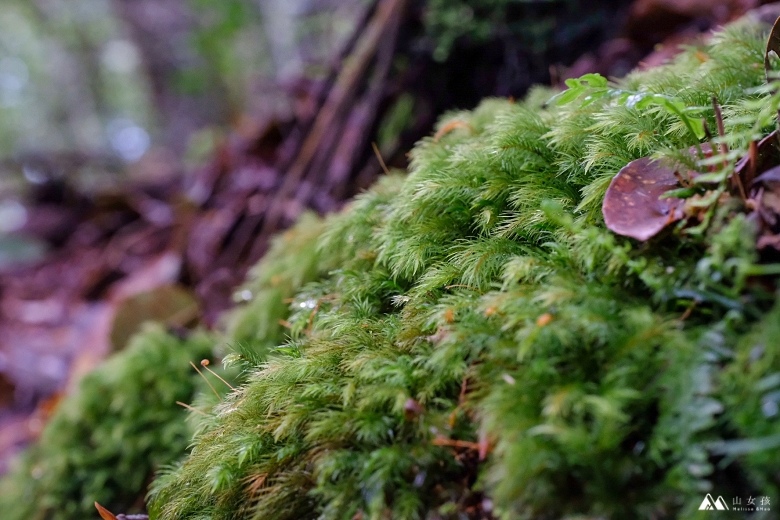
column 770, row 178
column 632, row 205
column 766, row 196
column 772, row 45
column 763, row 155
column 412, row 409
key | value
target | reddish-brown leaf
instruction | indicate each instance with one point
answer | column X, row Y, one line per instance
column 105, row 514
column 766, row 197
column 632, row 205
column 412, row 409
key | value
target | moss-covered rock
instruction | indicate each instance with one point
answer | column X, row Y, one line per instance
column 479, row 345
column 470, row 341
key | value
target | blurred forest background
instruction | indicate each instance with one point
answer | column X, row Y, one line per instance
column 149, row 148
column 104, row 83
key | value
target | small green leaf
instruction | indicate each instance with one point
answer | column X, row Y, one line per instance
column 567, row 96
column 680, row 193
column 594, row 80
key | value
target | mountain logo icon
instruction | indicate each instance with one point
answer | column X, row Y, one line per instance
column 708, row 504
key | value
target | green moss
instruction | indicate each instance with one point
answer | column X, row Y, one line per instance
column 292, row 261
column 105, row 442
column 480, row 303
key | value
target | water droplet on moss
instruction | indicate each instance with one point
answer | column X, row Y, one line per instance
column 769, row 407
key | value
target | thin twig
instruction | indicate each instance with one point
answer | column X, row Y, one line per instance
column 206, row 380
column 379, row 158
column 454, row 443
column 192, row 408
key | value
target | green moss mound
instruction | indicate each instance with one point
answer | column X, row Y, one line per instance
column 473, row 343
column 105, row 442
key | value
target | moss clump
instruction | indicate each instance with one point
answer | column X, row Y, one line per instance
column 105, row 442
column 479, row 345
column 257, row 326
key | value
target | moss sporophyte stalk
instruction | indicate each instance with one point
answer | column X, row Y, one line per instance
column 471, row 341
